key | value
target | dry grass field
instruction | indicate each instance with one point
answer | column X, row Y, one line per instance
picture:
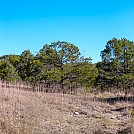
column 27, row 112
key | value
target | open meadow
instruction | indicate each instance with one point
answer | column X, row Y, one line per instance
column 27, row 112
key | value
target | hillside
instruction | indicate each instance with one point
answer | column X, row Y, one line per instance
column 25, row 112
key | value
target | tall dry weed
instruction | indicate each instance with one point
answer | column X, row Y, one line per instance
column 25, row 112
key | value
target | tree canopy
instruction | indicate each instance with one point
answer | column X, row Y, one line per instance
column 61, row 63
column 117, row 66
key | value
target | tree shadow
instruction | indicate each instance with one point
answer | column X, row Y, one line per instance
column 113, row 100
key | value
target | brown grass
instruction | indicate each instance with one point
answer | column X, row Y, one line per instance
column 26, row 112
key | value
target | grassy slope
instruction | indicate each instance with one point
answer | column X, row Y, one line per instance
column 24, row 112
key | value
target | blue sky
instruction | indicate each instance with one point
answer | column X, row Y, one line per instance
column 88, row 24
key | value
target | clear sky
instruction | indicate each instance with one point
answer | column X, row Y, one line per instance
column 88, row 24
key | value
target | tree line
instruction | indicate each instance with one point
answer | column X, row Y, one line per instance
column 61, row 63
